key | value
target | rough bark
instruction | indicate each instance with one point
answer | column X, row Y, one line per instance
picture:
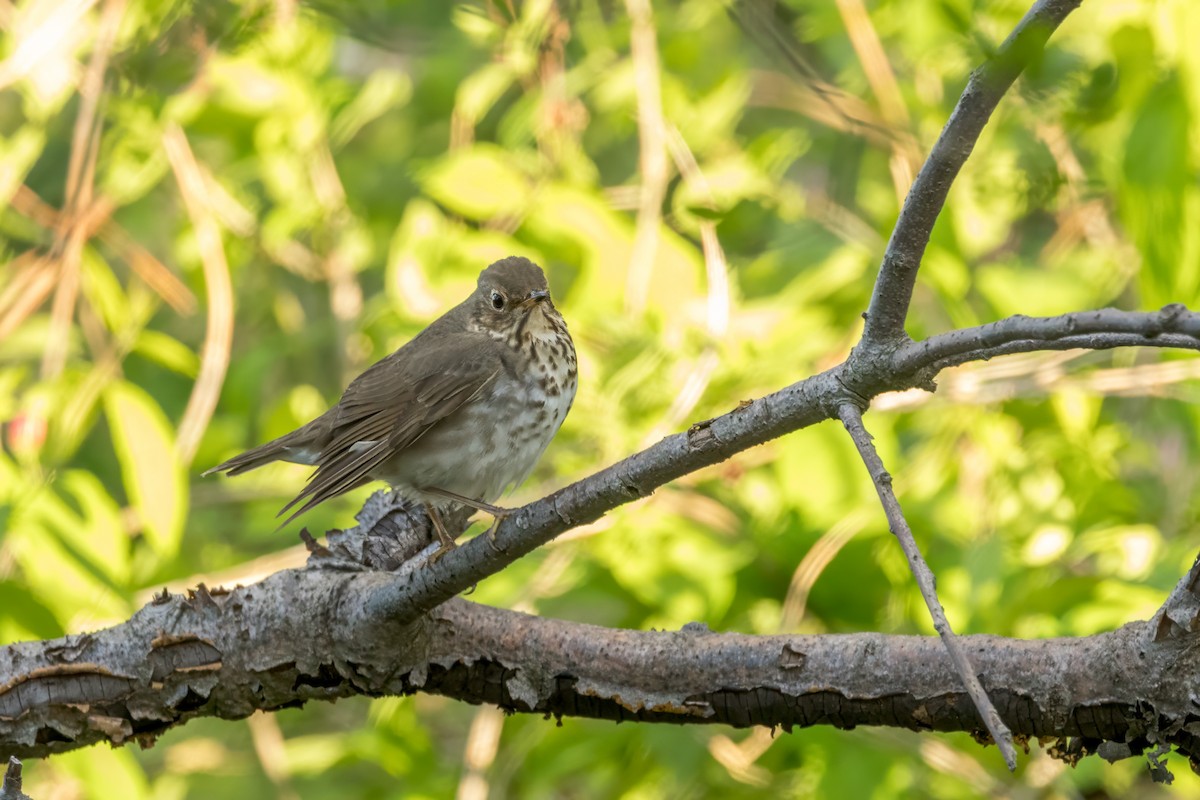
column 229, row 653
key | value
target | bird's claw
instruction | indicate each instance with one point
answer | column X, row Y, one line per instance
column 491, row 531
column 436, row 556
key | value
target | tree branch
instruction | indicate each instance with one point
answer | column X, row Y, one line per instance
column 228, row 653
column 852, row 418
column 1171, row 326
column 898, row 272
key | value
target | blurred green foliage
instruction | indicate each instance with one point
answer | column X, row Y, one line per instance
column 358, row 163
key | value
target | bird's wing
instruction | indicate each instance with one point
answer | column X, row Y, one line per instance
column 389, row 407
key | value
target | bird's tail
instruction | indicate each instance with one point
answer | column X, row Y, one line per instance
column 297, row 447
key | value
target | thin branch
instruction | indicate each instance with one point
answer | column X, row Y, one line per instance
column 1171, row 326
column 851, row 417
column 81, row 173
column 218, row 337
column 654, row 164
column 901, row 260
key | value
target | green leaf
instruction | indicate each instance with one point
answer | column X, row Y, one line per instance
column 1035, row 291
column 27, row 612
column 479, row 183
column 154, row 477
column 98, row 535
column 167, row 352
column 104, row 292
column 1158, row 201
column 480, row 91
column 384, row 91
column 18, row 154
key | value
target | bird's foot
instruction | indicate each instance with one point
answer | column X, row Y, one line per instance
column 446, row 540
column 436, row 556
column 498, row 515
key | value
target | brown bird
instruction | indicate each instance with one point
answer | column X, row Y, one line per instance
column 460, row 414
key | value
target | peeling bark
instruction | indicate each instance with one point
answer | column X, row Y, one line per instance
column 229, row 653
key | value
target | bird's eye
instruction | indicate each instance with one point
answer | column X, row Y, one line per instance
column 497, row 300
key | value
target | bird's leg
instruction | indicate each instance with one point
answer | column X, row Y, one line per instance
column 498, row 516
column 439, row 527
column 499, row 513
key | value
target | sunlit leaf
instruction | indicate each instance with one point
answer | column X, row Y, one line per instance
column 479, row 183
column 17, row 154
column 167, row 352
column 153, row 476
column 479, row 93
column 383, row 91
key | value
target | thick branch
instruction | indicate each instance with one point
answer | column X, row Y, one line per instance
column 905, row 249
column 226, row 654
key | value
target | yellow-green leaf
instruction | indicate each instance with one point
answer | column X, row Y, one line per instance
column 479, row 183
column 153, row 475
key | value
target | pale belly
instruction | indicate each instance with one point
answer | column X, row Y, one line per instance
column 487, row 448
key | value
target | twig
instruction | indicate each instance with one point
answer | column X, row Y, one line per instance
column 11, row 789
column 31, row 280
column 813, row 96
column 851, row 417
column 81, row 173
column 218, row 338
column 719, row 301
column 865, row 40
column 144, row 264
column 654, row 165
column 1041, row 374
column 898, row 272
column 826, row 104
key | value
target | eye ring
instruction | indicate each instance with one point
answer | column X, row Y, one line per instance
column 497, row 300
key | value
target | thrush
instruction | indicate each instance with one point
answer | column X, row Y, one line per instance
column 460, row 414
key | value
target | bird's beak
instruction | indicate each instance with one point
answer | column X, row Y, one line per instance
column 536, row 296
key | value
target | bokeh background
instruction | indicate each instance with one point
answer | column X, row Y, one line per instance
column 214, row 214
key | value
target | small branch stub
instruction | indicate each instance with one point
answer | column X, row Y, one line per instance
column 11, row 790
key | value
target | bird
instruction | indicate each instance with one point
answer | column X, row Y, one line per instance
column 460, row 414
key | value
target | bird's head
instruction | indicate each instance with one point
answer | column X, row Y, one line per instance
column 512, row 296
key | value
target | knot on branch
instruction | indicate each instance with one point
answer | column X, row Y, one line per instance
column 390, row 531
